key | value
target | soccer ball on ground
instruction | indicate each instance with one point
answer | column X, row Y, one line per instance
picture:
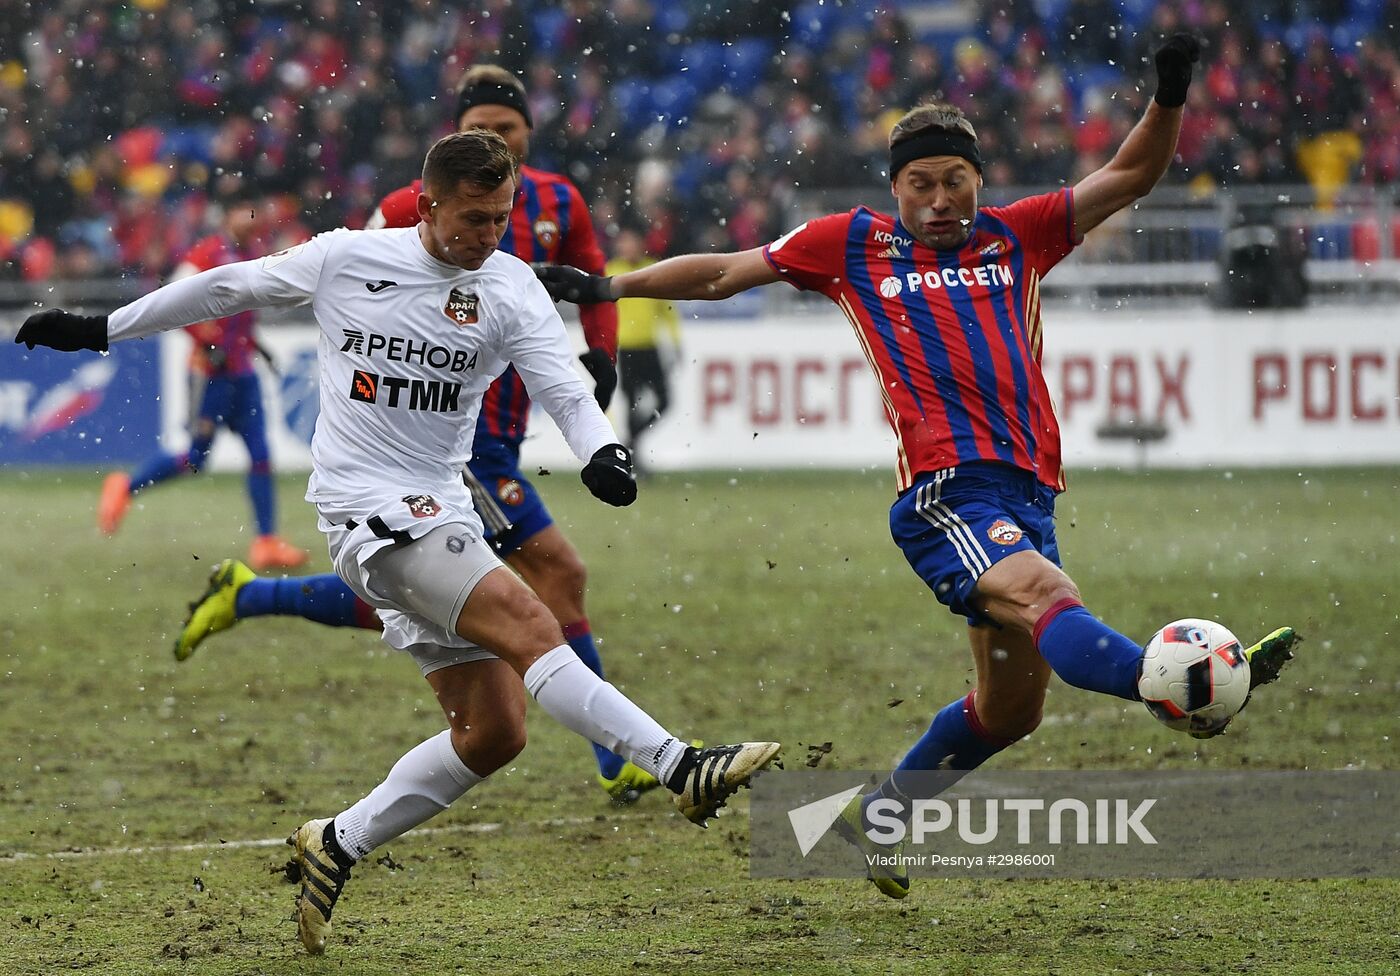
column 1195, row 676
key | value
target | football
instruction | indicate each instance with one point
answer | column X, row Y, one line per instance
column 1195, row 676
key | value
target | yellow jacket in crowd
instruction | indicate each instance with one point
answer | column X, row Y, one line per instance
column 640, row 320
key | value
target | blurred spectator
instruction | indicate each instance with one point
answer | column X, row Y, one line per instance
column 116, row 119
column 648, row 345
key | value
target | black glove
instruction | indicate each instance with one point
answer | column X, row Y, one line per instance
column 566, row 284
column 1174, row 60
column 608, row 475
column 64, row 331
column 600, row 366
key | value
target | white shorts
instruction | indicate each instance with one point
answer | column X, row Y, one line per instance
column 416, row 561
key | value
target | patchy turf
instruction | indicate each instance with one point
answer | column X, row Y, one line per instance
column 730, row 605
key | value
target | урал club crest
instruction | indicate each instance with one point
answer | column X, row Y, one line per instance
column 461, row 307
column 422, row 506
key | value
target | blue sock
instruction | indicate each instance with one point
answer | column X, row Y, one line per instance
column 580, row 638
column 260, row 491
column 1087, row 653
column 160, row 468
column 325, row 599
column 955, row 740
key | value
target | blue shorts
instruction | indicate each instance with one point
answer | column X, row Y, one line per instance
column 511, row 510
column 233, row 401
column 956, row 524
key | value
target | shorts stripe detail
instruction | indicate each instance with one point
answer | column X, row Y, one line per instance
column 492, row 515
column 938, row 520
column 940, row 516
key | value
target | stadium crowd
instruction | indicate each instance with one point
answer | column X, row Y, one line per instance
column 123, row 124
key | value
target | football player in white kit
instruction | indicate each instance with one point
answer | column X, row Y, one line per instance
column 415, row 323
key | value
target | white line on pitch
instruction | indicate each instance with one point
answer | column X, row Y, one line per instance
column 225, row 845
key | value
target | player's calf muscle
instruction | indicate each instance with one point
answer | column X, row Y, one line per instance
column 487, row 747
column 1010, row 720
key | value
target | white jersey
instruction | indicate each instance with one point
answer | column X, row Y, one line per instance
column 408, row 347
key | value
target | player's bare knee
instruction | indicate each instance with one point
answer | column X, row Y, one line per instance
column 539, row 631
column 1042, row 593
column 534, row 633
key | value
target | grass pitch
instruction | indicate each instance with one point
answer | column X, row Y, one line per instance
column 137, row 794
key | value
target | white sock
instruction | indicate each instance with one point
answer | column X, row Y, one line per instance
column 422, row 784
column 585, row 703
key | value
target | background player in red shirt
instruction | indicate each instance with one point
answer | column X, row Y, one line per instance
column 549, row 222
column 231, row 396
column 944, row 298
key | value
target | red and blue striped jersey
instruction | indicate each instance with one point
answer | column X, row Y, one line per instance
column 222, row 346
column 954, row 337
column 548, row 223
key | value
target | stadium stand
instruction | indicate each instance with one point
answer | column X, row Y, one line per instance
column 714, row 122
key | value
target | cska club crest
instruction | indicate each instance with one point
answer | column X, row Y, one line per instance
column 422, row 506
column 546, row 232
column 1003, row 533
column 509, row 491
column 461, row 307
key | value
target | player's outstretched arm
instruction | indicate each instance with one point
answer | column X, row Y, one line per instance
column 211, row 294
column 1147, row 152
column 690, row 277
column 539, row 350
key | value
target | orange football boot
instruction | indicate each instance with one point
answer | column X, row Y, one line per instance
column 273, row 552
column 113, row 503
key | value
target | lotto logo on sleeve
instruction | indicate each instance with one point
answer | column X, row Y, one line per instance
column 461, row 307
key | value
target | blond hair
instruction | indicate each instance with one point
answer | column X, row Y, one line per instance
column 931, row 115
column 488, row 74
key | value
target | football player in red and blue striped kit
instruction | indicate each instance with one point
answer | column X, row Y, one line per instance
column 230, row 396
column 944, row 298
